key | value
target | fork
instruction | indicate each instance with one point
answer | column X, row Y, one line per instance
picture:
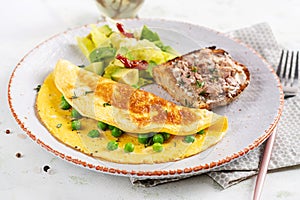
column 287, row 71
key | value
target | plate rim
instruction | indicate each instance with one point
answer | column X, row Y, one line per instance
column 155, row 173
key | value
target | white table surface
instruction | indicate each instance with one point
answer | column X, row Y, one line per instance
column 24, row 24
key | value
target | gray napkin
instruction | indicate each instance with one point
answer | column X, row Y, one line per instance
column 286, row 150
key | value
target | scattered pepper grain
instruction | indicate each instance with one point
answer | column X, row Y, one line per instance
column 18, row 155
column 46, row 168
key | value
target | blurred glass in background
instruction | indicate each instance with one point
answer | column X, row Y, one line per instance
column 117, row 9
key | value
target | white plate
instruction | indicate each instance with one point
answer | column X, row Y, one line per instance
column 251, row 118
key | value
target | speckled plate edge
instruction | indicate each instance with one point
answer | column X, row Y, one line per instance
column 185, row 171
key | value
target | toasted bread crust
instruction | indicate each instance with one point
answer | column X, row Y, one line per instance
column 183, row 77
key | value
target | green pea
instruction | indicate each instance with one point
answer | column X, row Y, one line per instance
column 189, row 139
column 94, row 133
column 157, row 147
column 166, row 136
column 116, row 132
column 76, row 125
column 112, row 145
column 158, row 138
column 143, row 138
column 110, row 127
column 64, row 104
column 129, row 147
column 201, row 132
column 75, row 114
column 102, row 125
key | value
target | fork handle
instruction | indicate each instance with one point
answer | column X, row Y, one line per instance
column 264, row 165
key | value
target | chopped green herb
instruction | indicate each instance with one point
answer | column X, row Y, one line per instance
column 106, row 104
column 194, row 69
column 88, row 92
column 94, row 133
column 58, row 125
column 201, row 132
column 214, row 78
column 202, row 93
column 212, row 70
column 187, row 104
column 38, row 87
column 81, row 66
column 181, row 82
column 200, row 84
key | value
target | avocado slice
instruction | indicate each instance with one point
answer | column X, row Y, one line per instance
column 105, row 29
column 127, row 76
column 102, row 54
column 97, row 67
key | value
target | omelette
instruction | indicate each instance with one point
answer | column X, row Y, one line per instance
column 134, row 111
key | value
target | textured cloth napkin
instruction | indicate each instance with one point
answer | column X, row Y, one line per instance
column 286, row 150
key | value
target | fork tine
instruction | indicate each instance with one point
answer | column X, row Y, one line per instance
column 285, row 65
column 280, row 63
column 288, row 72
column 291, row 66
column 296, row 69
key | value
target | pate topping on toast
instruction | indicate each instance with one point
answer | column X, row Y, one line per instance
column 207, row 77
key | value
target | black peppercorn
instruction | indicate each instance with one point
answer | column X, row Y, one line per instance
column 46, row 168
column 18, row 155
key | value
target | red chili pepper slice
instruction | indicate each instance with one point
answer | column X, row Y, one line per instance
column 137, row 64
column 121, row 29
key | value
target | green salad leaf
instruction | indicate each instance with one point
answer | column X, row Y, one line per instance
column 149, row 35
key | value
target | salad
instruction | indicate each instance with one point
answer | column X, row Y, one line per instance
column 124, row 56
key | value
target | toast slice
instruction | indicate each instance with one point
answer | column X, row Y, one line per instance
column 204, row 78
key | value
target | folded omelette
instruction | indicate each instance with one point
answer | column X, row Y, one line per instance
column 134, row 111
